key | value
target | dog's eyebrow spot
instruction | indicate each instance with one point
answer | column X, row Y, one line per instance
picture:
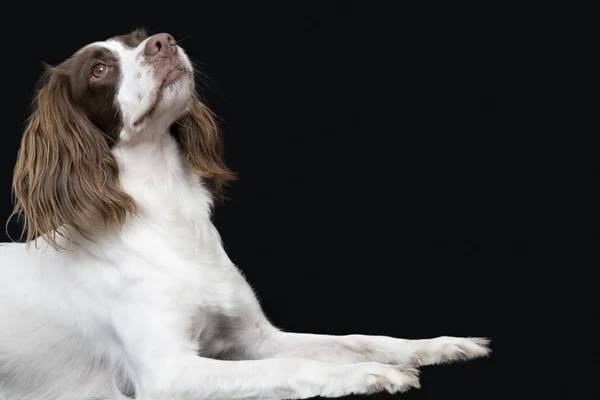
column 133, row 39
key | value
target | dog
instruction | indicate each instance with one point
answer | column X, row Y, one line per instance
column 122, row 288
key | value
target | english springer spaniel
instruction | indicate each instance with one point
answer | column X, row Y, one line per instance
column 123, row 288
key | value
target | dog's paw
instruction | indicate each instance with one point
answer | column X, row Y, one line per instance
column 370, row 377
column 447, row 349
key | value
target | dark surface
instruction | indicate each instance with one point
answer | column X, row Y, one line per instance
column 388, row 183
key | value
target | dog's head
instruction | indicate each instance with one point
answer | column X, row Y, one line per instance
column 125, row 89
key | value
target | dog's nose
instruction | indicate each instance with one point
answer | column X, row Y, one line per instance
column 161, row 45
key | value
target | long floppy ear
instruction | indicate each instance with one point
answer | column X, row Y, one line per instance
column 65, row 177
column 201, row 140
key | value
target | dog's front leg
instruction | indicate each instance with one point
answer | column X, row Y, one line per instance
column 162, row 359
column 189, row 376
column 383, row 349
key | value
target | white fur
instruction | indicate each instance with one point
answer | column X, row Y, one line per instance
column 159, row 307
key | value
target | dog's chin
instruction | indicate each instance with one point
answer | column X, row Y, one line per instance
column 168, row 102
column 175, row 102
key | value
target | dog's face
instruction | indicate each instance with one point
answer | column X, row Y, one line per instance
column 128, row 82
column 108, row 94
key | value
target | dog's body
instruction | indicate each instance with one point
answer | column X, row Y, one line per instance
column 146, row 302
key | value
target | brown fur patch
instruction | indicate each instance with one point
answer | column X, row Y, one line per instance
column 200, row 138
column 134, row 38
column 66, row 175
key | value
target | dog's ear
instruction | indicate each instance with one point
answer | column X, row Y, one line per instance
column 65, row 177
column 200, row 137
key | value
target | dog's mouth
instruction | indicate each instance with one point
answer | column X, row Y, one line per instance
column 170, row 78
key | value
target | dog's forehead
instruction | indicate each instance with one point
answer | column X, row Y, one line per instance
column 121, row 44
column 111, row 44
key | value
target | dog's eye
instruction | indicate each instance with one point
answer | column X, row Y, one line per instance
column 99, row 70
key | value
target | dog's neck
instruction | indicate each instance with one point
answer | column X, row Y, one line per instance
column 154, row 172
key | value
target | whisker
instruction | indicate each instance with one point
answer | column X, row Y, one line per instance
column 201, row 63
column 205, row 83
column 181, row 40
column 205, row 80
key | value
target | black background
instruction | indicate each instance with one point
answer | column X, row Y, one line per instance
column 392, row 178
